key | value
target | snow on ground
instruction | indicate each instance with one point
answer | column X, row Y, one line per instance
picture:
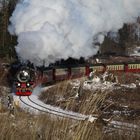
column 132, row 85
column 26, row 100
column 44, row 107
column 136, row 51
column 98, row 85
column 34, row 97
column 90, row 118
column 60, row 112
column 75, row 83
column 26, row 107
column 105, row 85
column 93, row 85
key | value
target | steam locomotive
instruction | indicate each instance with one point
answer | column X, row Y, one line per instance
column 27, row 78
column 24, row 81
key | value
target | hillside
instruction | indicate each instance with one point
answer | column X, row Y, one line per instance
column 118, row 100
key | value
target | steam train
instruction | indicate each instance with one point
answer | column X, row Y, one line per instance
column 24, row 82
column 27, row 78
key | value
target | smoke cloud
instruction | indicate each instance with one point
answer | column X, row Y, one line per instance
column 49, row 30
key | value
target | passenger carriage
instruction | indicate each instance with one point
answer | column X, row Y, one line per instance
column 132, row 67
column 115, row 67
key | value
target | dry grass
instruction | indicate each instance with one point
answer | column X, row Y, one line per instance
column 44, row 127
column 24, row 126
column 3, row 76
column 125, row 101
column 64, row 95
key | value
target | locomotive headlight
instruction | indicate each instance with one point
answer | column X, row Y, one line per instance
column 28, row 84
column 18, row 84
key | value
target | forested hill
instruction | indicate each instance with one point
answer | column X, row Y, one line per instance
column 7, row 42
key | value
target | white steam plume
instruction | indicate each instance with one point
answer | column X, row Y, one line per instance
column 49, row 30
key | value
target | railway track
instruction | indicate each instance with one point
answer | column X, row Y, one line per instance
column 44, row 109
column 77, row 116
column 64, row 113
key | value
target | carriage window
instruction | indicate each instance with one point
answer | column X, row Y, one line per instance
column 61, row 71
column 130, row 66
column 119, row 67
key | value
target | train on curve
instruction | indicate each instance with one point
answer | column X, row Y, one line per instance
column 24, row 81
column 27, row 78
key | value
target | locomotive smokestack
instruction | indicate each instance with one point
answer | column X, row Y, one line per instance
column 49, row 30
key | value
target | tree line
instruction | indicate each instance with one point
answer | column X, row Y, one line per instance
column 7, row 42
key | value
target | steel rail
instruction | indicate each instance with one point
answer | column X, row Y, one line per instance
column 64, row 113
column 61, row 114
